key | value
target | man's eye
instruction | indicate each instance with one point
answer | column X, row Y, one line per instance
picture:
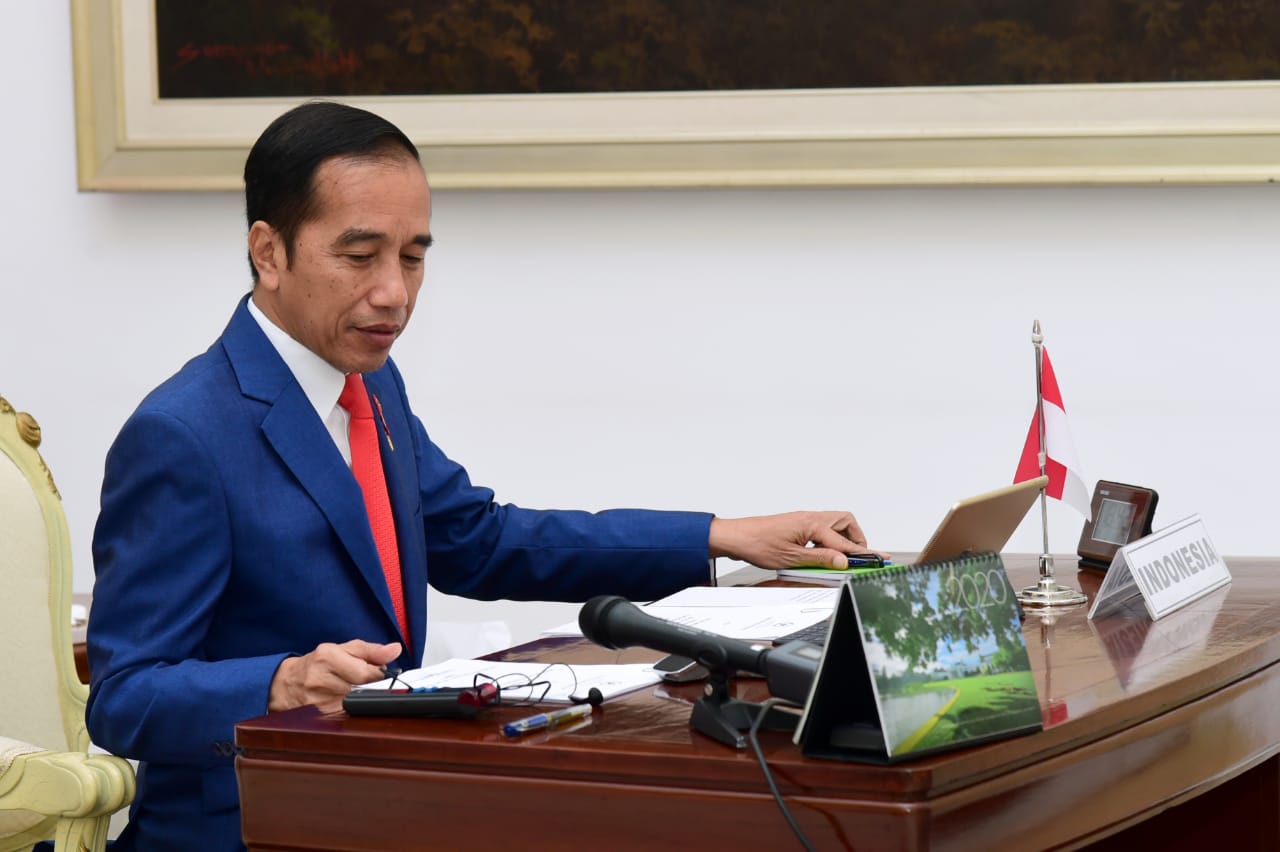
column 412, row 259
column 359, row 258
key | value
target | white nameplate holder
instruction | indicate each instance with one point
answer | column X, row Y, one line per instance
column 1169, row 568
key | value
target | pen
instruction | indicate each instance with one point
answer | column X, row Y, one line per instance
column 867, row 560
column 554, row 719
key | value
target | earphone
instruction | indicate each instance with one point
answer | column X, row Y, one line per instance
column 594, row 697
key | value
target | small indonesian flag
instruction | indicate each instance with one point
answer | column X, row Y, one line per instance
column 1061, row 465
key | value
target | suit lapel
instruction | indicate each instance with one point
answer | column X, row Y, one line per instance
column 298, row 436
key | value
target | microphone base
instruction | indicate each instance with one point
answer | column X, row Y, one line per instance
column 726, row 719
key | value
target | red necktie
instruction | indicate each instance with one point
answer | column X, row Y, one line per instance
column 366, row 464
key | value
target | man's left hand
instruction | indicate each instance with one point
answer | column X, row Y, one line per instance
column 783, row 541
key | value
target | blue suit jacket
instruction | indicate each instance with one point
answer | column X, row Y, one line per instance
column 232, row 534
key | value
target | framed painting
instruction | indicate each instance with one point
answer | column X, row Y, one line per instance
column 645, row 94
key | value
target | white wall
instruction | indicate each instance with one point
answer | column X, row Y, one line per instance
column 736, row 351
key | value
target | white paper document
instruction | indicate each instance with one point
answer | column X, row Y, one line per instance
column 722, row 596
column 739, row 612
column 562, row 679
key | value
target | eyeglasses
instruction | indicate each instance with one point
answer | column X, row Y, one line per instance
column 514, row 690
column 511, row 690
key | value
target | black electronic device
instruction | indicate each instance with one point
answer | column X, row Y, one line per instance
column 447, row 703
column 1121, row 514
column 677, row 668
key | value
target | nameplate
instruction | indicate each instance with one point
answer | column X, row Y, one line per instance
column 1169, row 568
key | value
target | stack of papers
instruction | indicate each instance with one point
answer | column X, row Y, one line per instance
column 738, row 612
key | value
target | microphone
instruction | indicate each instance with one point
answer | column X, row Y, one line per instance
column 615, row 622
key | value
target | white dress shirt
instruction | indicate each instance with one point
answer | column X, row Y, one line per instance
column 321, row 383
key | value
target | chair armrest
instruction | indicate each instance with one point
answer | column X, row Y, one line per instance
column 67, row 784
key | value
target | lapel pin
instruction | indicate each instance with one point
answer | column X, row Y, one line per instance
column 383, row 418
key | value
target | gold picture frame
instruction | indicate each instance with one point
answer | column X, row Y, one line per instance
column 1216, row 132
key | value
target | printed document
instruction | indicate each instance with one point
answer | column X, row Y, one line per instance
column 543, row 682
column 738, row 612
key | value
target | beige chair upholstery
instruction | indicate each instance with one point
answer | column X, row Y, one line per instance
column 50, row 787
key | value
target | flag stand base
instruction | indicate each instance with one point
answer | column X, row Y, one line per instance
column 1048, row 593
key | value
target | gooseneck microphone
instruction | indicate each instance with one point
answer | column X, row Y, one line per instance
column 615, row 622
column 789, row 669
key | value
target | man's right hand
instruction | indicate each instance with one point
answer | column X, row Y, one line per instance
column 327, row 674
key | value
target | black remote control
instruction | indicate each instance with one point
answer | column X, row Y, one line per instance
column 436, row 703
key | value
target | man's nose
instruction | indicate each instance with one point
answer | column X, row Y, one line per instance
column 391, row 285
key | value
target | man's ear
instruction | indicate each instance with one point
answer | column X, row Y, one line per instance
column 266, row 249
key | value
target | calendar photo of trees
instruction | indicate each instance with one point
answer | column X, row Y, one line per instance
column 944, row 645
column 278, row 48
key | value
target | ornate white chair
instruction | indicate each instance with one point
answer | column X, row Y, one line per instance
column 51, row 788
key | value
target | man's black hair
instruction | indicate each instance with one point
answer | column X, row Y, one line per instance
column 279, row 174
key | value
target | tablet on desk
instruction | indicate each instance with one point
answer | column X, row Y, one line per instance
column 984, row 523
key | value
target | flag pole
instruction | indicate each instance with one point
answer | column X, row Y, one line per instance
column 1047, row 592
column 1046, row 558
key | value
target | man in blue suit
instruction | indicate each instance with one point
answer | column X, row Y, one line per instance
column 237, row 570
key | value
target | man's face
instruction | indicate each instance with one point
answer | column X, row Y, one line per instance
column 357, row 264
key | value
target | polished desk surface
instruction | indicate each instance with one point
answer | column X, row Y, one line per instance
column 1139, row 716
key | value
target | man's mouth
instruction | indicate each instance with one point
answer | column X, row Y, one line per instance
column 383, row 333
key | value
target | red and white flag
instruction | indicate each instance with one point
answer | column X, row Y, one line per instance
column 1061, row 464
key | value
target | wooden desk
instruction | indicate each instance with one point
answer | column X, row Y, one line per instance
column 1161, row 732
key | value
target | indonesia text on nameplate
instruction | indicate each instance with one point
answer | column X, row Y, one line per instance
column 1170, row 568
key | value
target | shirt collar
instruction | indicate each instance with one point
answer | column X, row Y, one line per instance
column 321, row 383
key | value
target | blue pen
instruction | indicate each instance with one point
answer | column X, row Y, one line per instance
column 553, row 719
column 869, row 560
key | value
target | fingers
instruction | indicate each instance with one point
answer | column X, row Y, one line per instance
column 840, row 530
column 811, row 557
column 836, row 538
column 375, row 658
column 325, row 675
column 782, row 541
column 357, row 661
column 827, row 537
column 378, row 655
